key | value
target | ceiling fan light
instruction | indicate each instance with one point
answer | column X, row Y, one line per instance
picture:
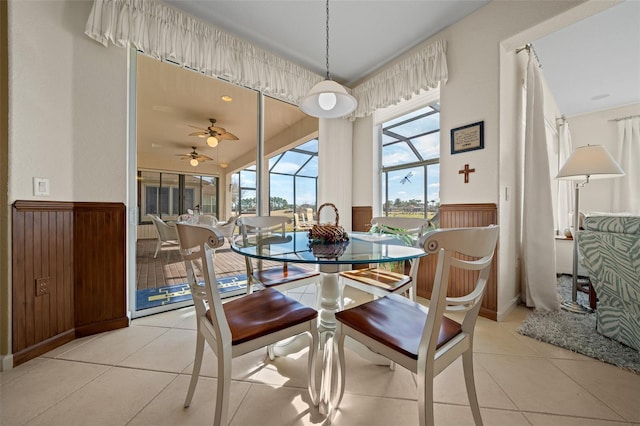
column 193, row 162
column 212, row 141
column 317, row 103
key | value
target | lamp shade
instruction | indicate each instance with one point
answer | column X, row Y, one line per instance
column 591, row 161
column 328, row 99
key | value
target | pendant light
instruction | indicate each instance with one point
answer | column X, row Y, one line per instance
column 328, row 99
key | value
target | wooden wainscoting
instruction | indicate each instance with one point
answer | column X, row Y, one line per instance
column 361, row 218
column 68, row 273
column 462, row 282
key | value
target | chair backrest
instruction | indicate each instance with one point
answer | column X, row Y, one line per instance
column 412, row 227
column 227, row 227
column 473, row 249
column 165, row 232
column 207, row 219
column 253, row 228
column 197, row 245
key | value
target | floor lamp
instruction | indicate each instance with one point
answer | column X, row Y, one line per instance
column 586, row 162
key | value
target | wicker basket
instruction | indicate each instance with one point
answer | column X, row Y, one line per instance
column 328, row 232
column 322, row 250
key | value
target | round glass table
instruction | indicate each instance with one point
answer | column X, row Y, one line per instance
column 295, row 247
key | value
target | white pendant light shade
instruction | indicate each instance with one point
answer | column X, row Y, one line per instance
column 212, row 141
column 319, row 102
column 591, row 161
column 193, row 162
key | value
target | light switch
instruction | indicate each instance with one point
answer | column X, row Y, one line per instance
column 40, row 186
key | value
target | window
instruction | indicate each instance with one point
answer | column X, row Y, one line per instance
column 293, row 179
column 411, row 163
column 169, row 195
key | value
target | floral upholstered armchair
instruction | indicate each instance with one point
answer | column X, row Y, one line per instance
column 610, row 246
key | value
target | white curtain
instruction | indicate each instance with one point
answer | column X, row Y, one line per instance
column 565, row 187
column 165, row 33
column 426, row 69
column 538, row 243
column 626, row 189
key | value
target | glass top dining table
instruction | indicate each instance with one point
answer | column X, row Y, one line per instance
column 295, row 247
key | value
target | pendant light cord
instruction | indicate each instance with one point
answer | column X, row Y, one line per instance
column 328, row 75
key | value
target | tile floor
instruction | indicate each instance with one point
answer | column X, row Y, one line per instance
column 139, row 376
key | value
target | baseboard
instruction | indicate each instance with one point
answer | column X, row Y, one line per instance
column 502, row 315
column 6, row 362
column 43, row 347
column 100, row 327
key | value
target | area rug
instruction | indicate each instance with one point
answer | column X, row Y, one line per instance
column 577, row 333
column 150, row 298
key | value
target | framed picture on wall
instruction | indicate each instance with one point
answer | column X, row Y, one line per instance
column 467, row 138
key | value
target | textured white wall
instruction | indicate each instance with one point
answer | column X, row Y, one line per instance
column 67, row 105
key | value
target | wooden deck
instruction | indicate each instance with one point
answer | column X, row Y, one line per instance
column 168, row 268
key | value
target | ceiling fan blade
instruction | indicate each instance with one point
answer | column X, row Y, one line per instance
column 217, row 129
column 228, row 136
column 202, row 158
column 199, row 134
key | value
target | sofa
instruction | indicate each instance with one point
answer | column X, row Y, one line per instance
column 610, row 249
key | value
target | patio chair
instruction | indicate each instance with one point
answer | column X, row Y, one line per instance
column 241, row 325
column 423, row 340
column 166, row 233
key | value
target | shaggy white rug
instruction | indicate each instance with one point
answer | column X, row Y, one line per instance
column 577, row 333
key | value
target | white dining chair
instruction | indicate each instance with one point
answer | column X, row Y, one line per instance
column 166, row 233
column 380, row 281
column 421, row 339
column 263, row 231
column 239, row 326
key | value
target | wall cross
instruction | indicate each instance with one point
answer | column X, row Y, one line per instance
column 466, row 172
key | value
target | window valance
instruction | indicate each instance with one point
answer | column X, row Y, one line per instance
column 168, row 34
column 165, row 33
column 424, row 70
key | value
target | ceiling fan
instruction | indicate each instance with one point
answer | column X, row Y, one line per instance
column 194, row 158
column 214, row 134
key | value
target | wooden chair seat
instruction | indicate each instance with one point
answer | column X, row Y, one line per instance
column 262, row 313
column 381, row 282
column 389, row 281
column 396, row 322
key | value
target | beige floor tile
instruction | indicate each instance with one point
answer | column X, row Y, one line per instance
column 290, row 370
column 358, row 410
column 167, row 409
column 111, row 399
column 244, row 368
column 619, row 389
column 42, row 384
column 266, row 405
column 547, row 350
column 111, row 348
column 59, row 351
column 457, row 415
column 364, row 377
column 22, row 369
column 536, row 384
column 492, row 339
column 167, row 319
column 449, row 387
column 541, row 419
column 172, row 351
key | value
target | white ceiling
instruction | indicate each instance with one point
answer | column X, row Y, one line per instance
column 594, row 64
